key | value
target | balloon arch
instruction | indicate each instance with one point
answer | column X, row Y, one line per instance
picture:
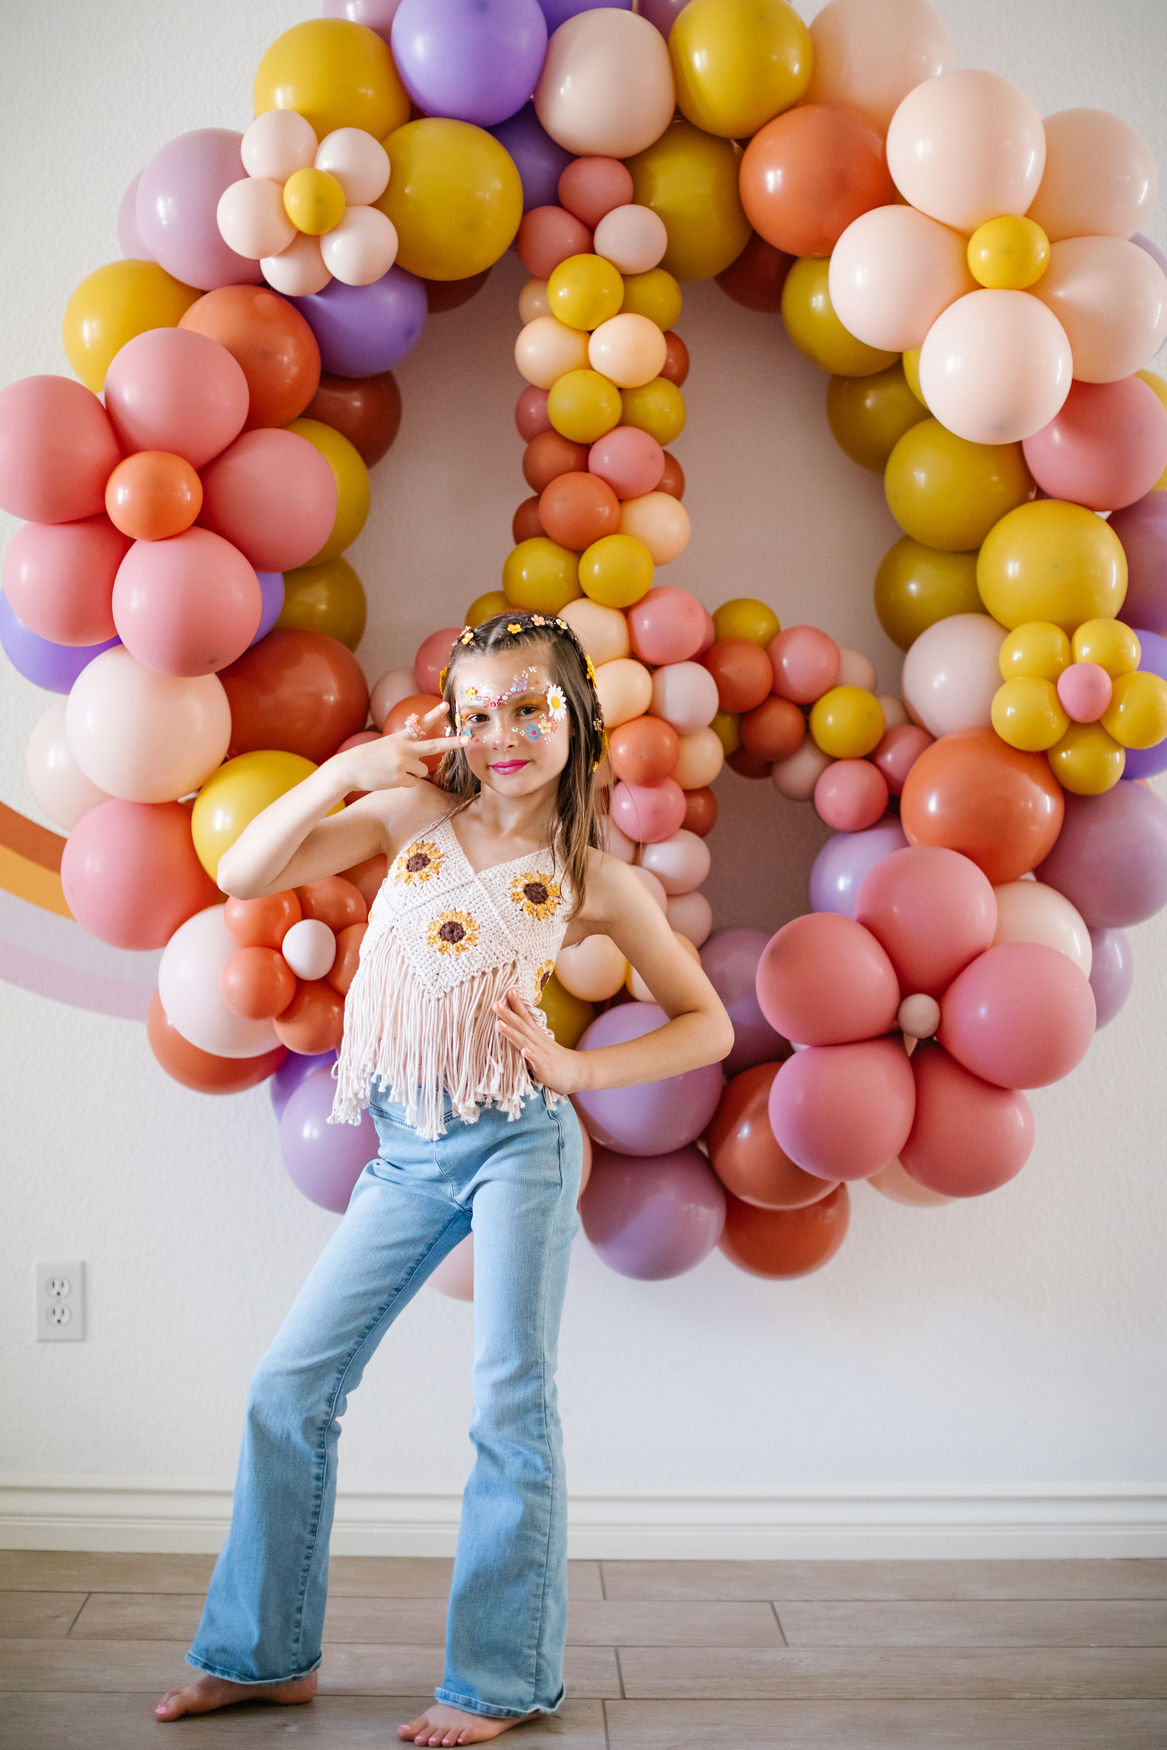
column 974, row 282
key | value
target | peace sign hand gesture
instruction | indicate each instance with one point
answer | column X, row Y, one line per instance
column 397, row 759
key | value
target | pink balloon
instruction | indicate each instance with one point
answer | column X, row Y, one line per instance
column 1100, row 177
column 685, row 695
column 143, row 736
column 188, row 984
column 806, row 663
column 273, row 495
column 432, row 656
column 892, row 272
column 844, row 1111
column 57, row 450
column 996, row 366
column 1110, row 857
column 667, row 624
column 648, row 812
column 851, row 795
column 680, row 861
column 1084, row 690
column 1106, row 447
column 1020, row 1015
column 898, row 752
column 174, row 389
column 967, row 1137
column 176, row 205
column 932, row 910
column 653, row 1217
column 130, row 873
column 630, row 460
column 825, row 980
column 186, row 606
column 59, row 578
column 654, row 1117
column 1110, row 297
column 966, row 147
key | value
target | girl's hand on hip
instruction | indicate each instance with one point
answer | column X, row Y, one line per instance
column 549, row 1062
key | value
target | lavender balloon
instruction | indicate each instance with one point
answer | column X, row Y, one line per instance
column 1111, row 973
column 730, row 959
column 1142, row 529
column 176, row 208
column 653, row 1117
column 52, row 666
column 364, row 330
column 292, row 1071
column 271, row 585
column 1110, row 858
column 474, row 60
column 837, row 872
column 539, row 159
column 324, row 1160
column 653, row 1217
column 556, row 11
column 1144, row 762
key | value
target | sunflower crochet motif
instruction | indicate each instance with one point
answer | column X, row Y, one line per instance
column 452, row 932
column 538, row 895
column 417, row 862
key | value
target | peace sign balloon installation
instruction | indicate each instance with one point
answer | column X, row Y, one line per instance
column 973, row 280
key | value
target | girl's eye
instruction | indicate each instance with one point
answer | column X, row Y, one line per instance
column 529, row 710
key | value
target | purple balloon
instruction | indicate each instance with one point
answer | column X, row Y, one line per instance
column 291, row 1073
column 837, row 872
column 176, row 207
column 1111, row 973
column 662, row 13
column 556, row 11
column 324, row 1160
column 730, row 959
column 474, row 60
column 373, row 14
column 52, row 666
column 1110, row 858
column 129, row 237
column 364, row 330
column 653, row 1217
column 1142, row 529
column 653, row 1117
column 271, row 585
column 1144, row 762
column 539, row 160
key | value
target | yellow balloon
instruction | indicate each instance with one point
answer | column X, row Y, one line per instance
column 911, row 364
column 816, row 331
column 847, row 722
column 1110, row 644
column 325, row 598
column 1008, row 253
column 539, row 576
column 1051, row 561
column 567, row 1015
column 690, row 179
column 1036, row 648
column 916, row 586
column 234, row 794
column 738, row 63
column 352, row 484
column 746, row 617
column 454, row 195
column 114, row 304
column 1137, row 713
column 583, row 405
column 314, row 201
column 584, row 291
column 869, row 415
column 1087, row 760
column 337, row 74
column 485, row 607
column 616, row 570
column 654, row 294
column 1028, row 714
column 657, row 408
column 947, row 492
column 1153, row 381
column 726, row 725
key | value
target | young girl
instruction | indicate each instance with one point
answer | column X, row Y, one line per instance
column 490, row 872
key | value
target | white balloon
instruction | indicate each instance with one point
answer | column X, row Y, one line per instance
column 309, row 947
column 188, row 986
column 54, row 777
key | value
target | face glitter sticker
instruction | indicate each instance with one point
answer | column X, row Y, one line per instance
column 526, row 684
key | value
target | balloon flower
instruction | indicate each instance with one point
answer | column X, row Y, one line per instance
column 296, row 956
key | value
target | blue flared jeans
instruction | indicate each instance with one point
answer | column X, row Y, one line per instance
column 515, row 1184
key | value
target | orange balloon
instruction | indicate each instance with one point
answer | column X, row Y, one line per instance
column 365, row 410
column 755, row 280
column 262, row 923
column 548, row 455
column 348, row 949
column 808, row 173
column 773, row 730
column 367, row 877
column 202, row 1070
column 272, row 343
column 257, row 983
column 526, row 522
column 576, row 509
column 153, row 495
column 313, row 1020
column 785, row 1242
column 973, row 793
column 745, row 1155
column 742, row 671
column 333, row 901
column 644, row 750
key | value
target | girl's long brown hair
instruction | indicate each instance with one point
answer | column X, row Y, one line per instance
column 580, row 804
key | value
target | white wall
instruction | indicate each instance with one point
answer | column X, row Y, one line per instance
column 983, row 1364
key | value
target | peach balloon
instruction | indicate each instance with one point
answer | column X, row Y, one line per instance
column 1029, row 911
column 546, row 348
column 658, row 520
column 892, row 272
column 691, row 915
column 144, row 736
column 624, row 688
column 394, row 685
column 607, row 84
column 685, row 695
column 899, row 1186
column 602, row 631
column 951, row 673
column 633, row 238
column 700, row 759
column 996, row 366
column 630, row 350
column 965, row 147
column 594, row 970
column 869, row 54
column 680, row 862
column 1110, row 297
column 652, row 886
column 1100, row 177
column 533, row 302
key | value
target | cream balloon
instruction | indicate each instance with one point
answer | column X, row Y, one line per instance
column 685, row 695
column 996, row 366
column 277, row 144
column 1100, row 177
column 606, row 87
column 56, row 780
column 298, row 270
column 1029, row 911
column 691, row 916
column 1110, row 297
column 251, row 217
column 594, row 969
column 856, row 670
column 309, row 947
column 188, row 985
column 966, row 147
column 951, row 672
column 602, row 631
column 892, row 272
column 144, row 736
column 625, row 690
column 362, row 248
column 868, row 54
column 633, row 238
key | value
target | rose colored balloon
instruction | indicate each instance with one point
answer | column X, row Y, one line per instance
column 630, row 460
column 323, row 1160
column 548, row 235
column 538, row 158
column 1100, row 177
column 844, row 1111
column 838, row 870
column 59, row 578
column 680, row 862
column 269, row 340
column 273, row 495
column 57, row 450
column 1111, row 972
column 188, row 984
column 1110, row 297
column 648, row 812
column 178, row 390
column 869, row 54
column 996, row 366
column 299, row 691
column 685, row 695
column 932, row 911
column 743, row 1151
column 851, row 795
column 60, row 787
column 805, row 663
column 965, row 147
column 824, row 980
column 1110, row 858
column 967, row 1137
column 655, row 1117
column 144, row 736
column 898, row 752
column 951, row 672
column 130, row 874
column 972, row 793
column 365, row 410
column 730, row 962
column 655, row 1216
column 257, row 983
column 1106, row 447
column 186, row 606
column 531, row 416
column 202, row 1070
column 784, row 1243
column 1142, row 530
column 1020, row 1015
column 808, row 173
column 607, row 84
column 176, row 204
column 549, row 455
column 1029, row 911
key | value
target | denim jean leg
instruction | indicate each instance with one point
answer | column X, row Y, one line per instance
column 264, row 1614
column 507, row 1624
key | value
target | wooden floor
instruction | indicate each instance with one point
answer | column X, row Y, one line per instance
column 662, row 1656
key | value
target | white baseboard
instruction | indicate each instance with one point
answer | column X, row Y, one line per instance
column 141, row 1515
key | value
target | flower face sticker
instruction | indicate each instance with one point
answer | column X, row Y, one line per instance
column 526, row 692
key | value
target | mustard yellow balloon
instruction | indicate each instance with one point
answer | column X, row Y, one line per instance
column 690, row 180
column 657, row 407
column 1037, row 648
column 583, row 405
column 314, row 201
column 869, row 415
column 815, row 329
column 917, row 585
column 726, row 725
column 352, row 484
column 454, row 195
column 114, row 304
column 485, row 607
column 337, row 74
column 744, row 616
column 567, row 1015
column 738, row 63
column 1008, row 253
column 584, row 291
column 616, row 571
column 654, row 294
column 539, row 576
column 1137, row 713
column 947, row 492
column 234, row 794
column 1028, row 714
column 326, row 598
column 1051, row 561
column 1159, row 384
column 847, row 722
column 1112, row 645
column 1087, row 760
column 911, row 364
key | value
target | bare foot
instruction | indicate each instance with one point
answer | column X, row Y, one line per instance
column 441, row 1724
column 207, row 1693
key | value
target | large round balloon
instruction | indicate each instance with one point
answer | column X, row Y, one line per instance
column 654, row 1216
column 656, row 1117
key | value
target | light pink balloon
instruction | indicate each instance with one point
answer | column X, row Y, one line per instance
column 892, row 272
column 273, row 495
column 1021, row 1015
column 666, row 625
column 59, row 578
column 309, row 947
column 1105, row 448
column 844, row 1111
column 186, row 606
column 691, row 915
column 1110, row 297
column 1100, row 177
column 361, row 248
column 797, row 776
column 966, row 147
column 144, row 736
column 606, row 86
column 932, row 910
column 174, row 389
column 57, row 450
column 851, row 795
column 967, row 1138
column 277, row 144
column 299, row 270
column 868, row 54
column 1029, row 911
column 825, row 980
column 56, row 780
column 251, row 217
column 996, row 366
column 454, row 1276
column 951, row 672
column 632, row 238
column 685, row 695
column 648, row 812
column 1084, row 691
column 359, row 163
column 680, row 862
column 394, row 685
column 188, row 984
column 178, row 193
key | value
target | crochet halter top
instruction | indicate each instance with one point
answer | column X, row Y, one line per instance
column 444, row 943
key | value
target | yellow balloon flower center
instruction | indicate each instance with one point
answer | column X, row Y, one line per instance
column 1008, row 253
column 314, row 201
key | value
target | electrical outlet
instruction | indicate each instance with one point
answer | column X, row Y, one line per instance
column 60, row 1302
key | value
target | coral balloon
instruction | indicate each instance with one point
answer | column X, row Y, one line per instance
column 786, row 1242
column 825, row 980
column 973, row 793
column 844, row 1111
column 967, row 1137
column 808, row 174
column 270, row 341
column 313, row 1021
column 257, row 983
